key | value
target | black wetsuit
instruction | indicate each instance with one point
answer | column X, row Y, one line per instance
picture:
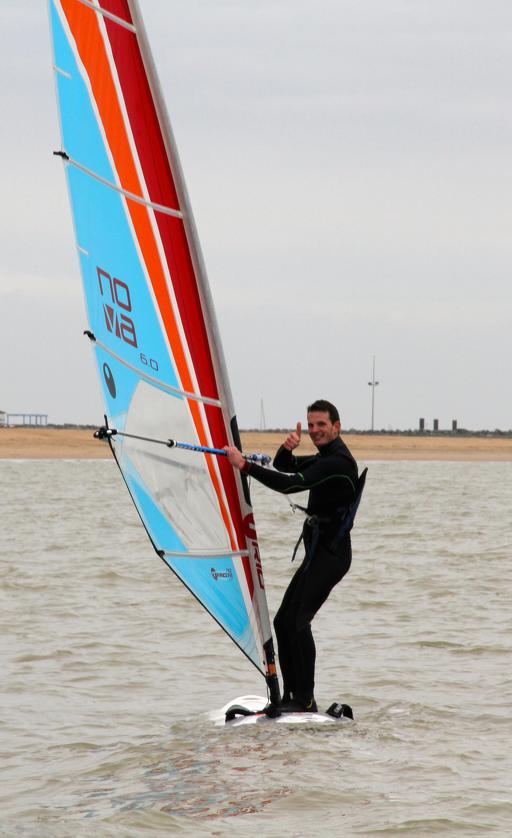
column 331, row 477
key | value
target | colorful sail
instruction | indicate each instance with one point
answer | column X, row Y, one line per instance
column 151, row 320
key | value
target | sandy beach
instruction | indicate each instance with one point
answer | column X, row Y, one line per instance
column 72, row 443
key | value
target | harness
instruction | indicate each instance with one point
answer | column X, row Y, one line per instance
column 347, row 515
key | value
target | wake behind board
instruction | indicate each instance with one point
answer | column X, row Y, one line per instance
column 254, row 703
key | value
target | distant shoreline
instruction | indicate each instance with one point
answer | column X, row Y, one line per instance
column 78, row 443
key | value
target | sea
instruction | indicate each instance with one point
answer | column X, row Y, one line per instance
column 110, row 670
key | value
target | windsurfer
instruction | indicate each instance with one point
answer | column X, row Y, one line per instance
column 331, row 477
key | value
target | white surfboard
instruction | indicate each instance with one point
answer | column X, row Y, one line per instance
column 257, row 702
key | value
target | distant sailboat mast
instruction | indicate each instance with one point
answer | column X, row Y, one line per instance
column 373, row 384
column 263, row 424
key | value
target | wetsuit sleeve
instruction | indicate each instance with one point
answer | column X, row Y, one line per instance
column 335, row 469
column 289, row 463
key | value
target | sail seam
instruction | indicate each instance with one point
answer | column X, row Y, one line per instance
column 130, row 195
column 205, row 554
column 109, row 15
column 153, row 380
column 62, row 72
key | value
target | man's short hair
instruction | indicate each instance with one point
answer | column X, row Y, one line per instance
column 324, row 406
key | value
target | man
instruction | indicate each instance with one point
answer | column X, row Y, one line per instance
column 332, row 479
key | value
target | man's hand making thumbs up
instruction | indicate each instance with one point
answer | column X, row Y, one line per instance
column 293, row 439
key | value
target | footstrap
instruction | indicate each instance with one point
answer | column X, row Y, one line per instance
column 237, row 710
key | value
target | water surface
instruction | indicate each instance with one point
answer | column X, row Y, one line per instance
column 110, row 668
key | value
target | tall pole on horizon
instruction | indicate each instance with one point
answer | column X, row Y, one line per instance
column 373, row 384
column 263, row 424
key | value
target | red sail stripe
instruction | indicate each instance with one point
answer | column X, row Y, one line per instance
column 119, row 8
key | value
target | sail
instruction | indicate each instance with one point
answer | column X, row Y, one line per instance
column 151, row 320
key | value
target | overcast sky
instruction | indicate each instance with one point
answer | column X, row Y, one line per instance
column 349, row 164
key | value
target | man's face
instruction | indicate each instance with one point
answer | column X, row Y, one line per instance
column 321, row 429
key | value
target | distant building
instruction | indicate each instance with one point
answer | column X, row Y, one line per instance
column 26, row 418
column 3, row 418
